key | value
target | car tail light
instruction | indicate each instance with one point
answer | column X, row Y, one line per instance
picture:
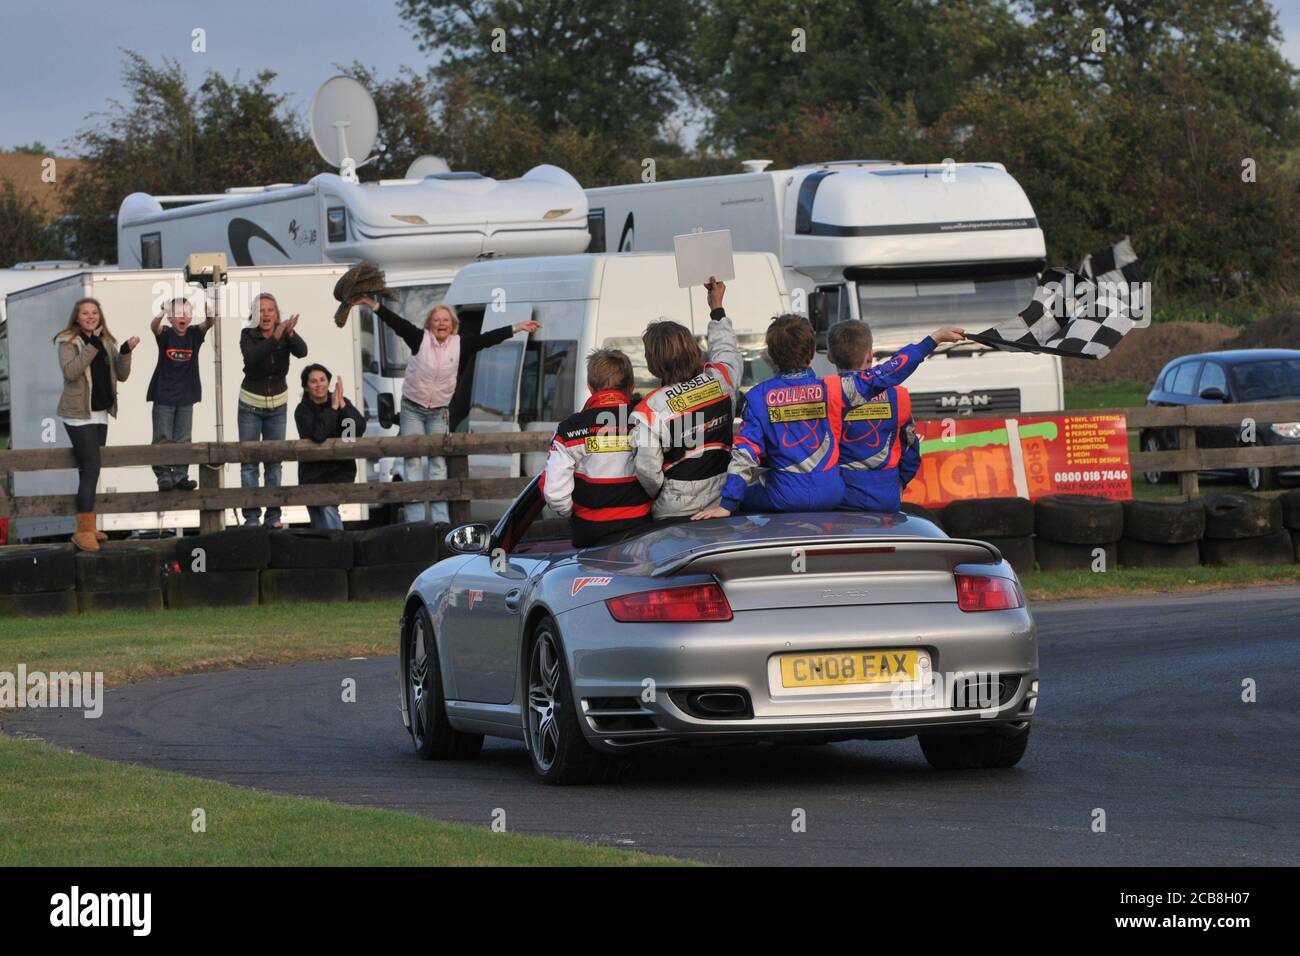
column 982, row 592
column 693, row 602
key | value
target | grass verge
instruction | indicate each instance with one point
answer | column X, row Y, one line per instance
column 64, row 809
column 1058, row 585
column 136, row 645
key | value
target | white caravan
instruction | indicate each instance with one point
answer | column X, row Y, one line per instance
column 534, row 381
column 907, row 248
column 130, row 299
column 420, row 231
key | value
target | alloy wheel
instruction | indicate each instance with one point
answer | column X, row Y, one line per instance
column 543, row 693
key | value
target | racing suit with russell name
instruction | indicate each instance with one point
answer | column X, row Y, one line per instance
column 682, row 432
column 787, row 455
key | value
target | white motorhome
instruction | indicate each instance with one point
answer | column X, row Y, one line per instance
column 420, row 231
column 130, row 298
column 906, row 248
column 583, row 302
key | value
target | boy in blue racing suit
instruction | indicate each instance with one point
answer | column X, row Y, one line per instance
column 786, row 457
column 879, row 450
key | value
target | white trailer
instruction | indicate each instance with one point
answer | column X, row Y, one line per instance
column 130, row 299
column 420, row 231
column 534, row 381
column 23, row 275
column 906, row 248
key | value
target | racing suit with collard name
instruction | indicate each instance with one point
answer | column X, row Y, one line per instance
column 683, row 432
column 786, row 457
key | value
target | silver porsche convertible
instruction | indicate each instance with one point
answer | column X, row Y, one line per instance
column 803, row 628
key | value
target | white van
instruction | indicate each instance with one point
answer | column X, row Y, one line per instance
column 906, row 248
column 130, row 298
column 583, row 302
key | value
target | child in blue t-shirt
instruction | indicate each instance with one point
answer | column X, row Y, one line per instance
column 175, row 388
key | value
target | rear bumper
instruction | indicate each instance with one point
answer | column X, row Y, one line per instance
column 632, row 681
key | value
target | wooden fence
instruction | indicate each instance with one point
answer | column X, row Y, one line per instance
column 458, row 489
column 211, row 499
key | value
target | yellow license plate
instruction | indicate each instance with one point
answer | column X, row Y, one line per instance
column 848, row 667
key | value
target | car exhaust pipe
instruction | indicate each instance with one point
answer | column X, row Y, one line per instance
column 712, row 703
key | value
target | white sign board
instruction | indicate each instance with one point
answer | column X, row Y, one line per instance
column 703, row 254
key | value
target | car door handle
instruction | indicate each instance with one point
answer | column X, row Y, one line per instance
column 513, row 598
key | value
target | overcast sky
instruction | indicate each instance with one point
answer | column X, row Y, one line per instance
column 62, row 58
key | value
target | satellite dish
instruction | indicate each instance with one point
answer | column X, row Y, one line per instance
column 427, row 166
column 344, row 124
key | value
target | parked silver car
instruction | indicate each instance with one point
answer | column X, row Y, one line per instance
column 774, row 627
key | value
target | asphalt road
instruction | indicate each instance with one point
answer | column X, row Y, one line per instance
column 1141, row 716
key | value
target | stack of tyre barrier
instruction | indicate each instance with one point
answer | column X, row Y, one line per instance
column 1007, row 523
column 307, row 565
column 1077, row 532
column 1291, row 519
column 1161, row 534
column 1245, row 529
column 119, row 579
column 222, row 569
column 387, row 560
column 37, row 581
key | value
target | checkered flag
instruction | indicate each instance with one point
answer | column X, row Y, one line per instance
column 1074, row 316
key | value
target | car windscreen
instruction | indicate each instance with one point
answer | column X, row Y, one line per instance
column 1261, row 381
column 971, row 303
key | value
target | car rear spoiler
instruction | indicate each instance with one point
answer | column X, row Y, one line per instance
column 867, row 553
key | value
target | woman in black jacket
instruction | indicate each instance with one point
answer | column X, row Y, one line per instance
column 433, row 392
column 264, row 393
column 322, row 415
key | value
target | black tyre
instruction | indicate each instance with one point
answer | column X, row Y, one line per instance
column 1149, row 554
column 1079, row 519
column 149, row 600
column 211, row 589
column 381, row 582
column 989, row 750
column 1276, row 548
column 983, row 518
column 432, row 734
column 1164, row 522
column 311, row 549
column 1151, row 443
column 122, row 569
column 302, row 585
column 1061, row 556
column 1262, row 479
column 1018, row 551
column 1291, row 510
column 920, row 511
column 235, row 549
column 1295, row 545
column 1233, row 517
column 552, row 732
column 411, row 543
column 38, row 569
column 46, row 604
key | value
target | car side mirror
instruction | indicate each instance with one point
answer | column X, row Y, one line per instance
column 386, row 411
column 469, row 539
column 1213, row 394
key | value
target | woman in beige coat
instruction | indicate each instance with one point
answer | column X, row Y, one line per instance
column 92, row 364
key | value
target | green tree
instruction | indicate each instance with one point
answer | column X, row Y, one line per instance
column 23, row 236
column 611, row 68
column 167, row 138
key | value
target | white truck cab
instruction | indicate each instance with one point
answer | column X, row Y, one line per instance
column 904, row 247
